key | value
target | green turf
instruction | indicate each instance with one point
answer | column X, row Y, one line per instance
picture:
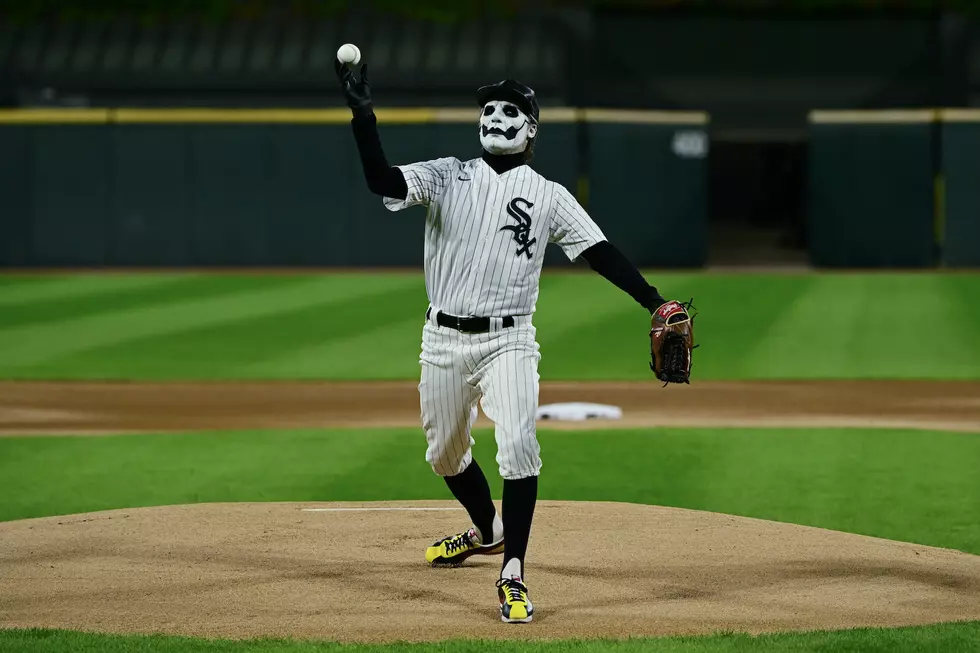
column 940, row 638
column 367, row 326
column 905, row 485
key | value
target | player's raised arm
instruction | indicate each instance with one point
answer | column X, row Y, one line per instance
column 402, row 186
column 382, row 179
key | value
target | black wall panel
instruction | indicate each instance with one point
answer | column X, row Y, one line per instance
column 649, row 199
column 150, row 207
column 16, row 195
column 961, row 166
column 231, row 168
column 871, row 195
column 274, row 193
column 71, row 184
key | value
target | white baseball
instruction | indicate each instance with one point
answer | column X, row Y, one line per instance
column 349, row 54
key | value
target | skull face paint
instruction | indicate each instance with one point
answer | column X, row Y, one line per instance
column 504, row 128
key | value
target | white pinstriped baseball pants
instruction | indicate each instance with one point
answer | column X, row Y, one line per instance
column 497, row 369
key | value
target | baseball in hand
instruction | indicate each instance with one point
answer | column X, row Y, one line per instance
column 349, row 54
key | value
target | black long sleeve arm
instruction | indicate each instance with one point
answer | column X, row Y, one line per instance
column 604, row 258
column 382, row 179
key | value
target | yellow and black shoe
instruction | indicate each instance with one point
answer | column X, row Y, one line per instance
column 515, row 606
column 453, row 550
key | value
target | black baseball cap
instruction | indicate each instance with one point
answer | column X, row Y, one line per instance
column 510, row 90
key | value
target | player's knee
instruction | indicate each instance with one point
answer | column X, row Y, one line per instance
column 515, row 467
column 518, row 452
column 446, row 462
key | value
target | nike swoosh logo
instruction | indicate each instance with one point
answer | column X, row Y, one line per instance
column 462, row 179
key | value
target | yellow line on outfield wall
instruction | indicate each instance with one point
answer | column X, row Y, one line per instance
column 172, row 116
column 450, row 115
column 561, row 114
column 635, row 116
column 960, row 115
column 393, row 115
column 420, row 115
column 548, row 115
column 396, row 115
column 72, row 116
column 889, row 116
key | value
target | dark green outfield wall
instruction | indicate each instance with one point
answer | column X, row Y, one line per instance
column 649, row 186
column 871, row 192
column 961, row 183
column 270, row 191
column 16, row 204
column 895, row 188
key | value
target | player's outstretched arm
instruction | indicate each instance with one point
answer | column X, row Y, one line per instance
column 382, row 179
column 578, row 235
column 607, row 260
column 671, row 324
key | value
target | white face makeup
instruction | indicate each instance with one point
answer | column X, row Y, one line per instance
column 504, row 128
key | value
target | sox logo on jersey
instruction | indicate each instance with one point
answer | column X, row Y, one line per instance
column 523, row 227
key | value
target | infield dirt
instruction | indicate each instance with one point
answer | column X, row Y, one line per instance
column 596, row 570
column 97, row 408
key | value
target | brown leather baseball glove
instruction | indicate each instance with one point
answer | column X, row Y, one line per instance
column 671, row 342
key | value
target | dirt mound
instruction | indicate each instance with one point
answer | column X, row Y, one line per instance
column 356, row 572
column 98, row 408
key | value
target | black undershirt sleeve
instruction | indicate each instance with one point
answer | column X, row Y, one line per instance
column 604, row 258
column 382, row 179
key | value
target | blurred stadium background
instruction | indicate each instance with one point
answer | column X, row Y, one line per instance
column 738, row 171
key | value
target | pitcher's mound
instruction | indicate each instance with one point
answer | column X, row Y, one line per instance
column 356, row 571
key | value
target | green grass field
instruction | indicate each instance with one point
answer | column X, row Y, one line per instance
column 806, row 326
column 941, row 638
column 915, row 486
column 918, row 486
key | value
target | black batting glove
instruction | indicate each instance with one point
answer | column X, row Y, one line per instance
column 357, row 93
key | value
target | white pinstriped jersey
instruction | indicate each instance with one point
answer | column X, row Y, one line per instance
column 485, row 234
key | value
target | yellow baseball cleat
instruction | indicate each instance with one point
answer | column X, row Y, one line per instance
column 515, row 606
column 453, row 550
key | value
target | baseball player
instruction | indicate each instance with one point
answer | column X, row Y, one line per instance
column 488, row 221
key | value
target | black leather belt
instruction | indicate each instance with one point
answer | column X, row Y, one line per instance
column 468, row 324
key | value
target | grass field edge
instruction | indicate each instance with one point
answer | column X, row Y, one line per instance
column 951, row 632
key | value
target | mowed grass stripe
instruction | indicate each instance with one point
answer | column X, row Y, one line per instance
column 855, row 326
column 18, row 290
column 960, row 340
column 107, row 299
column 818, row 326
column 902, row 485
column 217, row 349
column 84, row 474
column 898, row 326
column 750, row 327
column 386, row 346
column 735, row 318
column 947, row 638
column 572, row 310
column 31, row 346
column 616, row 328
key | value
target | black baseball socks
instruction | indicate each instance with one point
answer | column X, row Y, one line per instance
column 520, row 495
column 471, row 489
